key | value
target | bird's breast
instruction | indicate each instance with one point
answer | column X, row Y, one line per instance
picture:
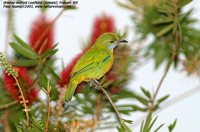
column 109, row 63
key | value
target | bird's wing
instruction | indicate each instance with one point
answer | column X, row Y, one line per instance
column 89, row 60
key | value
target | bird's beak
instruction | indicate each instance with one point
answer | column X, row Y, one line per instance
column 122, row 41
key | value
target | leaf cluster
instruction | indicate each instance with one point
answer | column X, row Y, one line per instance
column 168, row 23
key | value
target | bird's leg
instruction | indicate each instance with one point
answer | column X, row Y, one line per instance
column 98, row 86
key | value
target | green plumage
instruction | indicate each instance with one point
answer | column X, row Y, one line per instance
column 96, row 62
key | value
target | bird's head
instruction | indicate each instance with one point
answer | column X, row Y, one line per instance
column 108, row 41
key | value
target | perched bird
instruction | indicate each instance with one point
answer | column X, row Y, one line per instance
column 94, row 63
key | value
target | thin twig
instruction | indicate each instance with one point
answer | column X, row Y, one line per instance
column 99, row 87
column 98, row 108
column 24, row 101
column 169, row 64
column 49, row 108
column 6, row 106
column 59, row 107
column 172, row 102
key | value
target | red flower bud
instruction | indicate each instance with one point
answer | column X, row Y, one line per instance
column 101, row 25
column 25, row 82
column 114, row 90
column 111, row 75
column 41, row 30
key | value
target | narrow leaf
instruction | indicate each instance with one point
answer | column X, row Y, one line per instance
column 21, row 42
column 152, row 123
column 19, row 130
column 163, row 99
column 172, row 126
column 24, row 44
column 120, row 129
column 142, row 126
column 128, row 121
column 182, row 3
column 163, row 20
column 141, row 100
column 157, row 129
column 26, row 52
column 48, row 53
column 147, row 123
column 164, row 30
column 43, row 81
column 127, row 5
column 53, row 73
column 147, row 93
column 25, row 62
column 126, row 128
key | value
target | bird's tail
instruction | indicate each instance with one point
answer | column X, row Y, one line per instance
column 70, row 91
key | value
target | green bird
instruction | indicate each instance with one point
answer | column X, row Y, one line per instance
column 94, row 63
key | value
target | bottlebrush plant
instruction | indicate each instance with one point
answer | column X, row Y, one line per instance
column 39, row 41
column 31, row 71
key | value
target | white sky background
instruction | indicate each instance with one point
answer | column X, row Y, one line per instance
column 74, row 28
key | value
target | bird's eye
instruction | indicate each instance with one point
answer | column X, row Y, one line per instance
column 112, row 41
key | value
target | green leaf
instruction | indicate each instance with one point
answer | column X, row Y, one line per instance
column 107, row 83
column 24, row 44
column 18, row 129
column 120, row 129
column 52, row 72
column 37, row 125
column 157, row 129
column 142, row 126
column 130, row 108
column 21, row 42
column 128, row 121
column 49, row 53
column 163, row 99
column 142, row 100
column 165, row 30
column 172, row 126
column 175, row 27
column 22, row 50
column 43, row 81
column 126, row 5
column 163, row 20
column 147, row 93
column 180, row 32
column 124, row 94
column 147, row 123
column 125, row 127
column 138, row 108
column 160, row 56
column 182, row 3
column 183, row 16
column 125, row 112
column 152, row 123
column 25, row 62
